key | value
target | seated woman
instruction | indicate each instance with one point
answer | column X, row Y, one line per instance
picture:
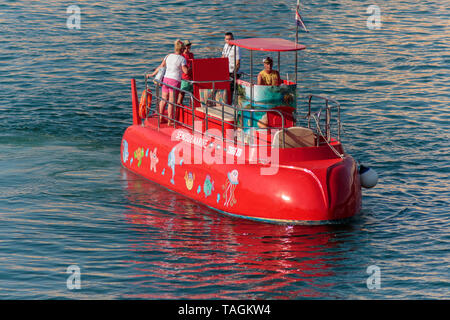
column 269, row 77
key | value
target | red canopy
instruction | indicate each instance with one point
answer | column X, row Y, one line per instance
column 268, row 44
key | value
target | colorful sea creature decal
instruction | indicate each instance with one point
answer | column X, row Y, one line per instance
column 171, row 163
column 208, row 186
column 138, row 155
column 199, row 189
column 125, row 151
column 189, row 177
column 218, row 197
column 153, row 159
column 229, row 188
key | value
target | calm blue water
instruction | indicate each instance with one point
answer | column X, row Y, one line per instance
column 65, row 200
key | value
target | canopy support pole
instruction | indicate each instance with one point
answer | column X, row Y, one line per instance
column 278, row 61
column 234, row 78
column 251, row 78
column 296, row 52
column 296, row 65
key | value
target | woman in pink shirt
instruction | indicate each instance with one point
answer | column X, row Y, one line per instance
column 175, row 65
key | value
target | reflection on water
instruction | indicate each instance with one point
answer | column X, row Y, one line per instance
column 65, row 103
column 236, row 256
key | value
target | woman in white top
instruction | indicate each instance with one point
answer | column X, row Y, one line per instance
column 175, row 65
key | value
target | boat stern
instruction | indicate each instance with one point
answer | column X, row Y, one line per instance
column 318, row 193
column 344, row 189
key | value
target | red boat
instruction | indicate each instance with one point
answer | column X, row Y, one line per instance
column 254, row 155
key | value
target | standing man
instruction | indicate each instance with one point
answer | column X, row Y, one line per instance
column 228, row 52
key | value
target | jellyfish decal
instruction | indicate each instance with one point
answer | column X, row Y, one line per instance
column 229, row 188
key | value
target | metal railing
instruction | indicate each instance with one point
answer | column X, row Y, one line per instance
column 322, row 130
column 328, row 116
column 325, row 134
column 237, row 112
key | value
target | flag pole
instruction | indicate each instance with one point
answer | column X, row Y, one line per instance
column 296, row 25
column 296, row 42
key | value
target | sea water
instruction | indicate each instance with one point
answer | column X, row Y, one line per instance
column 69, row 211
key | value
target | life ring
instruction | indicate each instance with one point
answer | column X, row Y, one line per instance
column 145, row 103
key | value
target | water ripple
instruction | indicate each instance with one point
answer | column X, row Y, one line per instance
column 65, row 102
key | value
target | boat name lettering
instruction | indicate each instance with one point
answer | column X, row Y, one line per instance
column 189, row 138
column 234, row 151
column 203, row 142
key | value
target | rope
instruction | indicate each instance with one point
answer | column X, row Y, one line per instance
column 321, row 134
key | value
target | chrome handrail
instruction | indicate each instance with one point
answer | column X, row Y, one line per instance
column 223, row 122
column 328, row 108
column 207, row 114
column 238, row 111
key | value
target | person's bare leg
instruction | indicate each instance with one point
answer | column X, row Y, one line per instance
column 177, row 109
column 171, row 106
column 162, row 104
column 180, row 98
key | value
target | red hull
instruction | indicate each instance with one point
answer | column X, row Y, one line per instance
column 312, row 184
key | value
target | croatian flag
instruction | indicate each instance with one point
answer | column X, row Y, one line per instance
column 298, row 17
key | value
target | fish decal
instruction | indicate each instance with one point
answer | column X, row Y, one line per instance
column 171, row 162
column 208, row 186
column 189, row 178
column 138, row 155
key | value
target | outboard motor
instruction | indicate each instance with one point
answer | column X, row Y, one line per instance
column 368, row 177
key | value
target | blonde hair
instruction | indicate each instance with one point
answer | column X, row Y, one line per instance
column 179, row 46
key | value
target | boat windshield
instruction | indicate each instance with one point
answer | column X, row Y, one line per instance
column 262, row 96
